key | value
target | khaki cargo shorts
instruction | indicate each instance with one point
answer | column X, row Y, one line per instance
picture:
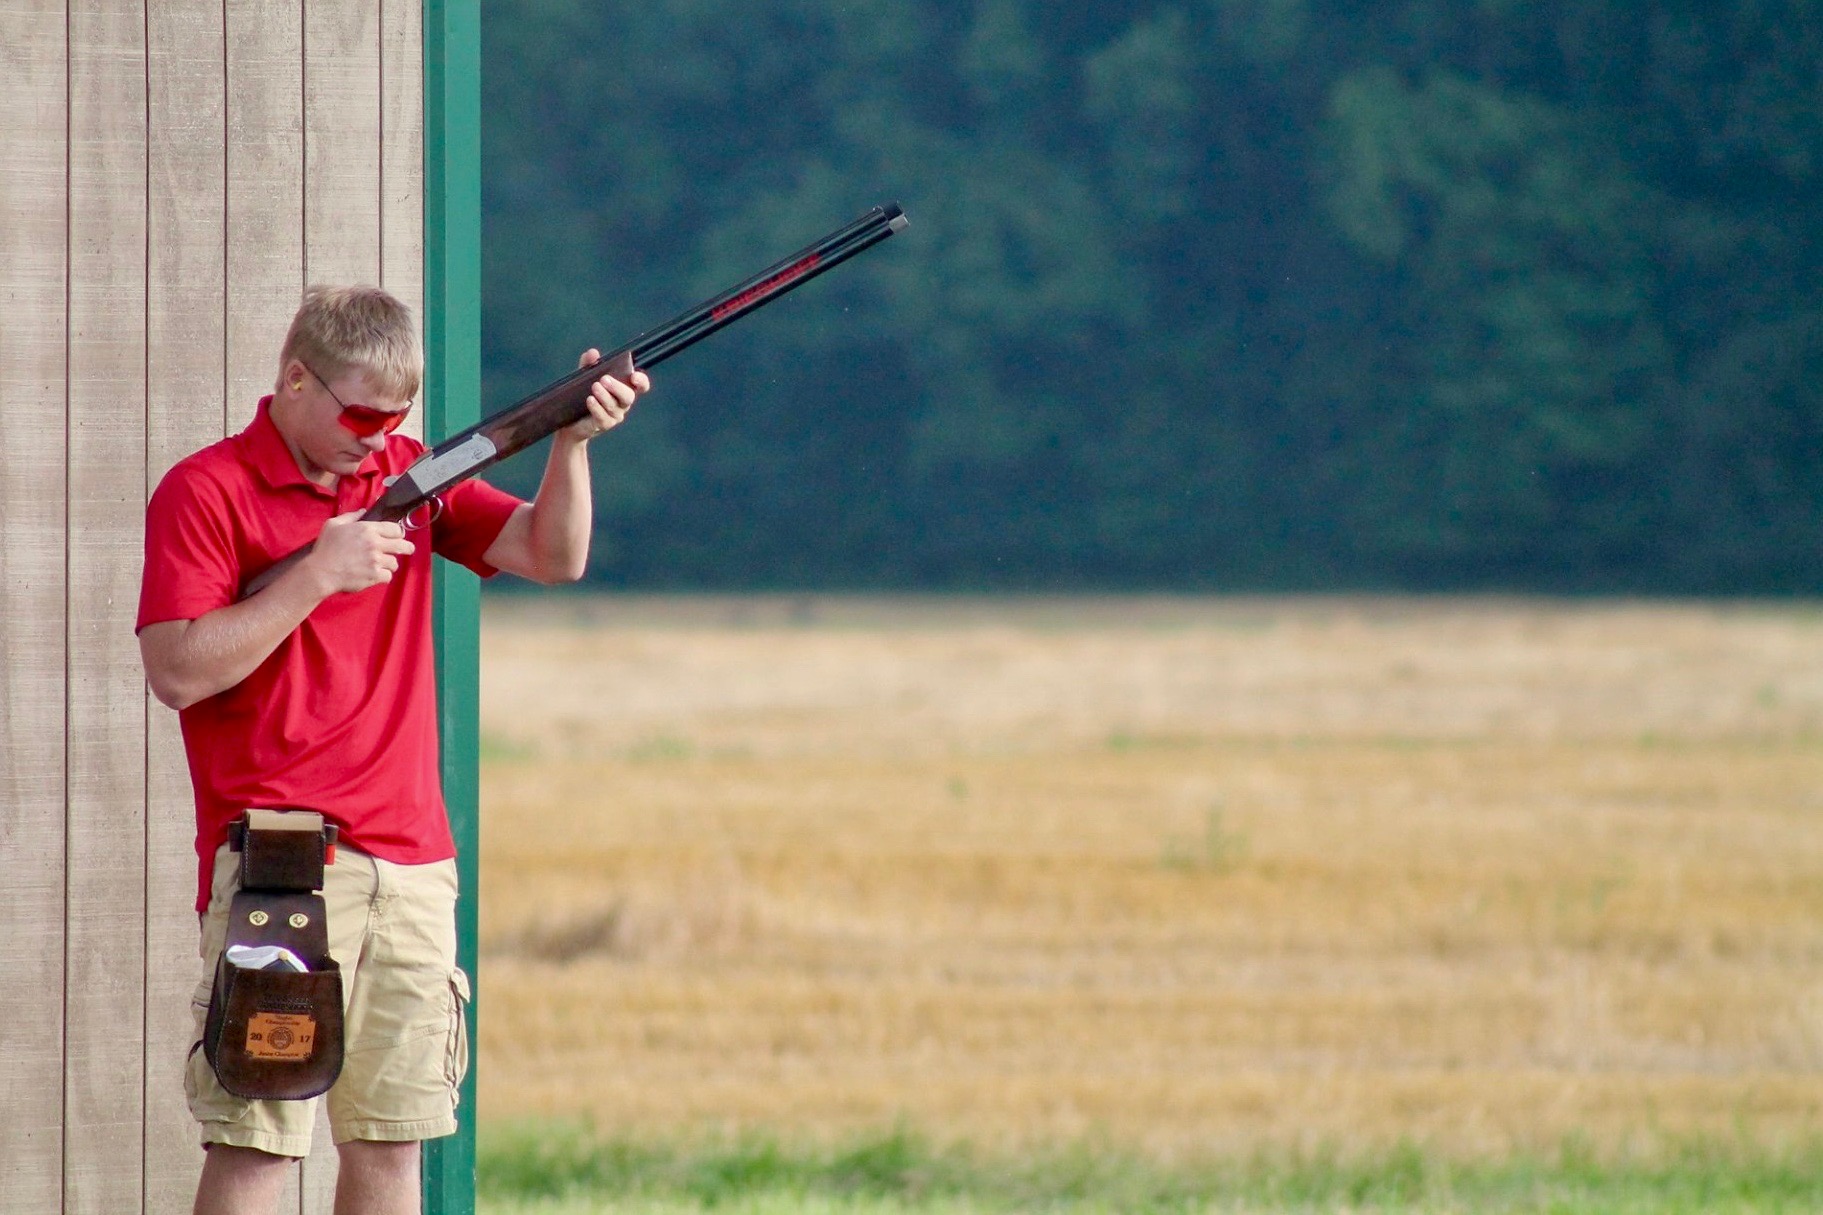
column 392, row 929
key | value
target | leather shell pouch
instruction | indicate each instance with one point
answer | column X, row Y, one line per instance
column 275, row 1032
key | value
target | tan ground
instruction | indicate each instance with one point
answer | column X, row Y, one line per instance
column 1185, row 875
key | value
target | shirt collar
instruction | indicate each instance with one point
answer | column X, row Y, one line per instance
column 271, row 456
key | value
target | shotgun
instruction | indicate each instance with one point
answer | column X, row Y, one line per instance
column 559, row 404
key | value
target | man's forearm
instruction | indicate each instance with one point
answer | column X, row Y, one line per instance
column 191, row 660
column 563, row 513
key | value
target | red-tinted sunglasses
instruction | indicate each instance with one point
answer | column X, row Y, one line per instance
column 363, row 420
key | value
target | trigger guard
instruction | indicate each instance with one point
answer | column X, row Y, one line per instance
column 435, row 509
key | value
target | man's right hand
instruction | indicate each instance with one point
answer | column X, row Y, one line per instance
column 350, row 555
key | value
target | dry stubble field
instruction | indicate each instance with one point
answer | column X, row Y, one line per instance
column 1182, row 876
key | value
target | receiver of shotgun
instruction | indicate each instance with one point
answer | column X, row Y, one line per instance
column 564, row 402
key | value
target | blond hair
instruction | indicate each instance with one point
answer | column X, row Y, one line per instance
column 360, row 329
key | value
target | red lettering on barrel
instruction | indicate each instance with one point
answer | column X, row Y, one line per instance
column 795, row 271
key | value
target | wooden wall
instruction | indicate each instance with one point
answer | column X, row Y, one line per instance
column 172, row 173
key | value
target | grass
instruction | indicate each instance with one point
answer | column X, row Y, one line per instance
column 565, row 1170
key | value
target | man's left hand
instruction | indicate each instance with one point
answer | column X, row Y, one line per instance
column 609, row 400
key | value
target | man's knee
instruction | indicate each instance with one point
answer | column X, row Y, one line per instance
column 373, row 1162
column 239, row 1179
column 234, row 1160
column 380, row 1153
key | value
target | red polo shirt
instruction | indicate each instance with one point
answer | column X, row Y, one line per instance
column 341, row 718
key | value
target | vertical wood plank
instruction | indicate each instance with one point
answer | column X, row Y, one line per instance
column 33, row 251
column 341, row 141
column 342, row 121
column 105, row 883
column 265, row 219
column 402, row 163
column 341, row 245
column 186, row 373
column 265, row 65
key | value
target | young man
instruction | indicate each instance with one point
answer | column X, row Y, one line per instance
column 317, row 693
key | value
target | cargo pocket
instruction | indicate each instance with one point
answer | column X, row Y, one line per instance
column 455, row 1062
column 203, row 1093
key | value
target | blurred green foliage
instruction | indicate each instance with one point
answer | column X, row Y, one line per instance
column 1210, row 294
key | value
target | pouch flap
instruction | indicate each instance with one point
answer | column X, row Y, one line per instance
column 283, row 850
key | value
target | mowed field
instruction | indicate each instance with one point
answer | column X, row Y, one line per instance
column 1183, row 877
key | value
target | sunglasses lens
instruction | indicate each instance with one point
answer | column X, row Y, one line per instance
column 365, row 421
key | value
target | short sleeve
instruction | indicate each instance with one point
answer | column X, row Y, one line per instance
column 473, row 514
column 191, row 566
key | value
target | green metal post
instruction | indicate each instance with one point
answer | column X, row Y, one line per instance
column 452, row 396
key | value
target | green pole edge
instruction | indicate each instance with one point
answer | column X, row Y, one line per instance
column 452, row 393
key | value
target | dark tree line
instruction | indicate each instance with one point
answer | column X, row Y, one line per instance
column 1208, row 294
